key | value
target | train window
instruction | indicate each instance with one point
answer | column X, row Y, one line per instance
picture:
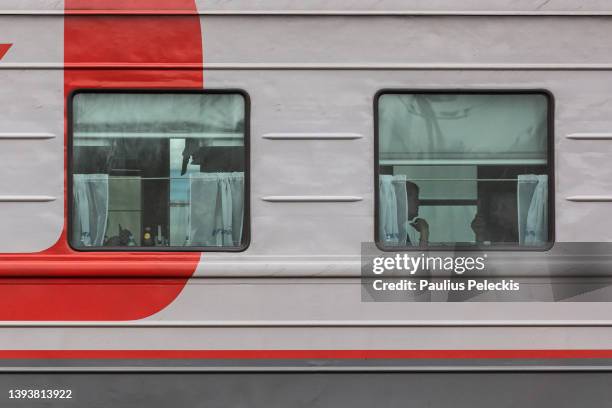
column 158, row 170
column 464, row 169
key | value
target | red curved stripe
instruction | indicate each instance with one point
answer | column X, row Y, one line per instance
column 130, row 5
column 82, row 294
column 4, row 49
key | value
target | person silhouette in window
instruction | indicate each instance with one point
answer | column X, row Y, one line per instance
column 496, row 221
column 420, row 225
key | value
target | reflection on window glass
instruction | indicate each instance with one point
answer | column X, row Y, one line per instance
column 463, row 169
column 158, row 170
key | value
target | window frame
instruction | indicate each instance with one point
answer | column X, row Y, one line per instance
column 156, row 91
column 550, row 151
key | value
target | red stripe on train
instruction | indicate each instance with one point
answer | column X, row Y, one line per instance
column 130, row 5
column 304, row 354
column 91, row 40
column 4, row 49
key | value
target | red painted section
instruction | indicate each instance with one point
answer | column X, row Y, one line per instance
column 73, row 285
column 4, row 49
column 131, row 5
column 121, row 12
column 304, row 354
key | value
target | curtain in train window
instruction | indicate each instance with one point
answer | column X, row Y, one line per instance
column 158, row 170
column 463, row 169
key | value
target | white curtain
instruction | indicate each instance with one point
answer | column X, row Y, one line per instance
column 90, row 210
column 532, row 195
column 216, row 209
column 394, row 225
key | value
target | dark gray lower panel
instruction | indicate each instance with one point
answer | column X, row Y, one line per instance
column 355, row 390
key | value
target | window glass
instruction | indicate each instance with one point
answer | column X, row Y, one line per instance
column 158, row 170
column 463, row 169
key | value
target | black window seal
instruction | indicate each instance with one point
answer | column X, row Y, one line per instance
column 247, row 168
column 550, row 144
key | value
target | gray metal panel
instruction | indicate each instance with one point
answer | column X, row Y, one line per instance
column 307, row 338
column 385, row 5
column 32, row 104
column 337, row 302
column 355, row 390
column 342, row 101
column 499, row 5
column 304, row 365
column 32, row 5
column 401, row 39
